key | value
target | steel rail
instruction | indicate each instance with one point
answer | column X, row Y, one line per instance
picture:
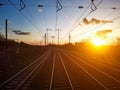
column 90, row 75
column 102, row 63
column 52, row 74
column 113, row 78
column 21, row 71
column 70, row 82
column 25, row 79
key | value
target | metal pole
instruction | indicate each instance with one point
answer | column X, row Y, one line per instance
column 58, row 36
column 6, row 41
column 45, row 39
column 58, row 30
column 52, row 39
column 47, row 35
column 69, row 38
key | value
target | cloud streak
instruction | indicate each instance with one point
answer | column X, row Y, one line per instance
column 103, row 33
column 95, row 21
column 18, row 32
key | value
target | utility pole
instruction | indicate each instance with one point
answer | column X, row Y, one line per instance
column 58, row 35
column 69, row 39
column 52, row 38
column 45, row 39
column 47, row 34
column 6, row 39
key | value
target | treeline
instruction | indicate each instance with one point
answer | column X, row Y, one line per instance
column 10, row 43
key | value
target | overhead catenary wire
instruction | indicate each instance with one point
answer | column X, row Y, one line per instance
column 32, row 18
column 58, row 8
column 56, row 14
column 44, row 18
column 88, row 13
column 63, row 6
column 22, row 5
column 116, row 18
column 86, row 16
column 93, row 6
column 109, row 15
column 76, row 24
column 24, row 15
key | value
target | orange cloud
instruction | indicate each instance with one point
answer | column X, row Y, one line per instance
column 95, row 21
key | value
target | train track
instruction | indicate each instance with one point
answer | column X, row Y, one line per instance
column 106, row 61
column 102, row 65
column 93, row 70
column 61, row 70
column 23, row 78
column 56, row 77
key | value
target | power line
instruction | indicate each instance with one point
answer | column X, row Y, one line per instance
column 59, row 5
column 73, row 28
column 116, row 18
column 32, row 18
column 48, row 34
column 58, row 8
column 24, row 15
column 63, row 6
column 76, row 24
column 58, row 30
column 22, row 5
column 93, row 6
column 107, row 15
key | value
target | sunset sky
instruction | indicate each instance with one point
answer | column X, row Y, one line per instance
column 80, row 22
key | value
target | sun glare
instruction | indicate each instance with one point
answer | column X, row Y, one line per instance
column 98, row 42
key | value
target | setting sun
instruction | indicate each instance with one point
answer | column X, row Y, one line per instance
column 98, row 42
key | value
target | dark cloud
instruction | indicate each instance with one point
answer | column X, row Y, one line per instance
column 18, row 32
column 85, row 21
column 95, row 21
column 103, row 33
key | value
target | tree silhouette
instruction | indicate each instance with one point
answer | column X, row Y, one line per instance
column 1, row 36
column 118, row 41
